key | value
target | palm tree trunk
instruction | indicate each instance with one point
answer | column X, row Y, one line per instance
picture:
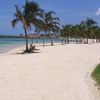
column 99, row 40
column 51, row 42
column 62, row 42
column 68, row 39
column 26, row 38
column 84, row 40
column 76, row 40
column 80, row 40
column 43, row 41
column 65, row 40
column 96, row 40
column 93, row 40
column 87, row 40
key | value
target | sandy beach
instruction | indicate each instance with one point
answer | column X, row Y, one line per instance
column 53, row 73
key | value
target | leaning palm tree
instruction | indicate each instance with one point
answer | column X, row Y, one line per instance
column 49, row 24
column 27, row 16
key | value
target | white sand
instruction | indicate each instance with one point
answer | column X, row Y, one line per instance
column 56, row 73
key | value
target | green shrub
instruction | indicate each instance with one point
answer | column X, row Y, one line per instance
column 96, row 74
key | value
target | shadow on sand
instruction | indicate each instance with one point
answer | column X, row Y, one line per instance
column 30, row 51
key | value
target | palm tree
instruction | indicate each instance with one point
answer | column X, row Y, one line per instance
column 27, row 16
column 66, row 32
column 79, row 32
column 90, row 24
column 49, row 24
column 83, row 30
column 96, row 34
column 87, row 27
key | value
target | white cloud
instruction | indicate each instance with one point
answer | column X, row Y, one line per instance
column 98, row 12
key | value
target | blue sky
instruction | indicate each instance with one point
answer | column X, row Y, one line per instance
column 69, row 11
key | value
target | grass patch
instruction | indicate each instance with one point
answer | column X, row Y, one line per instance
column 96, row 74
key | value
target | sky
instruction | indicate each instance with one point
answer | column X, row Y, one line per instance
column 69, row 12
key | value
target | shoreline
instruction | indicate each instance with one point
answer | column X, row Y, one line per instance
column 22, row 47
column 8, row 47
column 11, row 44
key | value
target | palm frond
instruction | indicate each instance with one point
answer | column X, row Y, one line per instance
column 56, row 18
column 14, row 22
column 51, row 12
column 54, row 23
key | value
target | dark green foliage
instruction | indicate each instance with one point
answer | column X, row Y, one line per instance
column 96, row 74
column 87, row 29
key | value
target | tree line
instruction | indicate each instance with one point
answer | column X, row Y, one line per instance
column 31, row 14
column 82, row 32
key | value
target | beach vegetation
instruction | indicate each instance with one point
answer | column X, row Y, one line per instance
column 82, row 32
column 49, row 25
column 96, row 74
column 28, row 15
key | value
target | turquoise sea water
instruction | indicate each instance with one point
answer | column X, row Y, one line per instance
column 7, row 44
